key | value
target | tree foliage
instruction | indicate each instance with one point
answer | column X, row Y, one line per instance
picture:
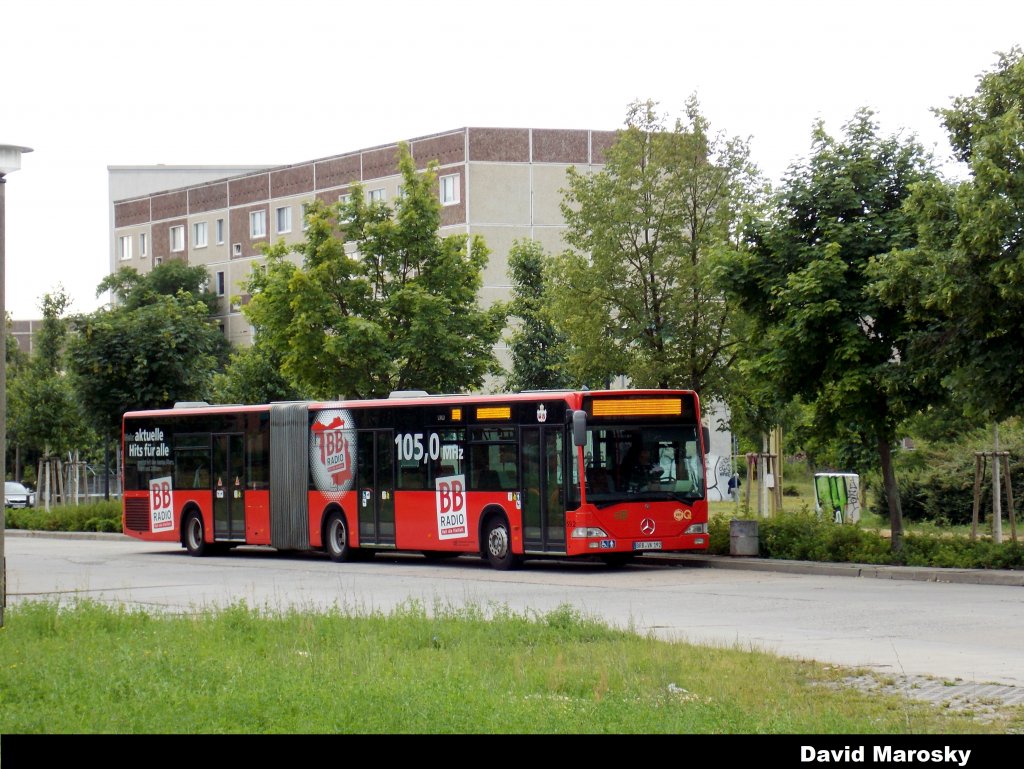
column 822, row 333
column 963, row 283
column 43, row 414
column 398, row 312
column 636, row 293
column 253, row 375
column 143, row 357
column 535, row 346
column 134, row 289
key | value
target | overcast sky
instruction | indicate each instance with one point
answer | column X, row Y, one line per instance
column 139, row 82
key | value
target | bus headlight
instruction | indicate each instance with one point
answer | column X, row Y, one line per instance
column 587, row 532
column 697, row 528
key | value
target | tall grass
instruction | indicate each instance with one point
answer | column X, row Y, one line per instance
column 90, row 668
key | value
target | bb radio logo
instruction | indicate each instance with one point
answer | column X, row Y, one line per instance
column 450, row 493
column 332, row 451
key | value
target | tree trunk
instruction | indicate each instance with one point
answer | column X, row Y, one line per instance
column 892, row 494
column 41, row 487
column 61, row 491
column 106, row 467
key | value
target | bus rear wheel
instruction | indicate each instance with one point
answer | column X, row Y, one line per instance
column 336, row 538
column 498, row 545
column 195, row 540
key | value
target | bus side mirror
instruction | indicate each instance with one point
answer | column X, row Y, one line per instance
column 579, row 428
column 706, row 431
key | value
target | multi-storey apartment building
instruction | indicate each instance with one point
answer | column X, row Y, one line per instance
column 500, row 183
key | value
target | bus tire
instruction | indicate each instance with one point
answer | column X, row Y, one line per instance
column 498, row 545
column 194, row 535
column 336, row 538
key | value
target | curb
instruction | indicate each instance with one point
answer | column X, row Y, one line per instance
column 109, row 535
column 864, row 570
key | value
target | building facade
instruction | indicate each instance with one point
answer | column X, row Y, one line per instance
column 503, row 184
column 500, row 183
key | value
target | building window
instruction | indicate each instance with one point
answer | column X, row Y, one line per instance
column 284, row 219
column 219, row 230
column 305, row 212
column 258, row 224
column 377, row 195
column 449, row 190
column 199, row 235
column 143, row 246
column 400, row 193
column 236, row 249
column 124, row 246
column 178, row 237
column 220, row 283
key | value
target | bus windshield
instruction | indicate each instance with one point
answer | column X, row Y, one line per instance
column 627, row 463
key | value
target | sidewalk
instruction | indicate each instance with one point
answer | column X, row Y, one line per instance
column 745, row 563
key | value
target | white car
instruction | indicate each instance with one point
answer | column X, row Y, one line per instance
column 17, row 495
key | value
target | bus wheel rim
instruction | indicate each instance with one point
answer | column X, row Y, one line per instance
column 338, row 536
column 497, row 542
column 195, row 532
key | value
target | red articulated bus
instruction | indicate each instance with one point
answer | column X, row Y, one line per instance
column 610, row 474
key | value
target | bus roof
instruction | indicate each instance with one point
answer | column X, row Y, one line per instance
column 403, row 397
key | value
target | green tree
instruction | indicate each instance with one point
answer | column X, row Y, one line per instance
column 44, row 416
column 134, row 289
column 149, row 356
column 636, row 294
column 821, row 332
column 536, row 348
column 963, row 283
column 253, row 375
column 398, row 312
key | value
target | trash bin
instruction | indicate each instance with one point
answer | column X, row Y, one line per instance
column 743, row 537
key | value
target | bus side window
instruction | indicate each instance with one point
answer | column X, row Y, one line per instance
column 483, row 476
column 488, row 480
column 412, row 477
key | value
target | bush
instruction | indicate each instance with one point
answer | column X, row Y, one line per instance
column 92, row 516
column 803, row 536
column 718, row 535
column 960, row 552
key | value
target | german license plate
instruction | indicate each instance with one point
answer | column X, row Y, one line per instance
column 647, row 545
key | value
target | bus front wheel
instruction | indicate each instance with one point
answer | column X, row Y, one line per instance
column 336, row 538
column 195, row 541
column 498, row 544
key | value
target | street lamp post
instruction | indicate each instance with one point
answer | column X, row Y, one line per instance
column 10, row 160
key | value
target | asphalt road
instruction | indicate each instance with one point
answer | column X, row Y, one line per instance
column 912, row 623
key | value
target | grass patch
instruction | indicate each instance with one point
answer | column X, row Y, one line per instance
column 90, row 668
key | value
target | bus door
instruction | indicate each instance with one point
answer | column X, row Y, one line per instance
column 228, row 486
column 376, row 487
column 543, row 473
